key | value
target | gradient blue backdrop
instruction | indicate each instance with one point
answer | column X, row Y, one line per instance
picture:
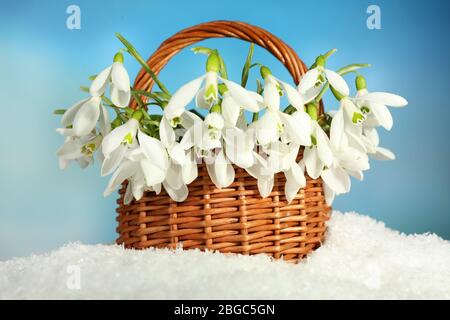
column 42, row 63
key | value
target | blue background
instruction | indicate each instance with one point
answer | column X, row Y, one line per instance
column 42, row 64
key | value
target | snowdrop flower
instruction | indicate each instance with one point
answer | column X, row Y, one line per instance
column 81, row 118
column 282, row 158
column 145, row 166
column 372, row 141
column 116, row 144
column 314, row 75
column 374, row 104
column 169, row 140
column 275, row 123
column 208, row 95
column 117, row 76
column 319, row 154
column 346, row 161
column 215, row 134
column 79, row 149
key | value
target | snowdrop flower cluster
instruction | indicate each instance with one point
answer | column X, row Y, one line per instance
column 206, row 121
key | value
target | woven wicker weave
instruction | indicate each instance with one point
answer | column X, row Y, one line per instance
column 234, row 219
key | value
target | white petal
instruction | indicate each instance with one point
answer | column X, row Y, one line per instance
column 119, row 77
column 190, row 170
column 314, row 165
column 123, row 172
column 230, row 110
column 99, row 84
column 154, row 150
column 116, row 137
column 221, row 171
column 267, row 128
column 356, row 174
column 69, row 115
column 356, row 141
column 329, row 194
column 271, row 95
column 177, row 154
column 238, row 147
column 120, row 98
column 337, row 82
column 372, row 135
column 174, row 176
column 293, row 96
column 200, row 100
column 104, row 124
column 182, row 97
column 323, row 146
column 386, row 99
column 137, row 186
column 153, row 174
column 189, row 119
column 71, row 149
column 311, row 94
column 383, row 154
column 265, row 186
column 166, row 133
column 382, row 115
column 337, row 129
column 296, row 173
column 178, row 195
column 337, row 179
column 86, row 118
column 298, row 127
column 308, row 80
column 113, row 161
column 295, row 180
column 243, row 97
column 128, row 197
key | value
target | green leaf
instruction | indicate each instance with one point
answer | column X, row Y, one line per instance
column 329, row 53
column 138, row 99
column 259, row 87
column 133, row 52
column 84, row 89
column 246, row 68
column 92, row 78
column 352, row 68
column 202, row 50
column 59, row 111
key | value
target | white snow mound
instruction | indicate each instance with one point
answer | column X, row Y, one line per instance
column 361, row 259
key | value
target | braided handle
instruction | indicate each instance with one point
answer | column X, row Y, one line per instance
column 220, row 29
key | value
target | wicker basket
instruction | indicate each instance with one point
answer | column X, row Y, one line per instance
column 235, row 219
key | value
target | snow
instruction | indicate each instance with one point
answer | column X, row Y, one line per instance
column 361, row 259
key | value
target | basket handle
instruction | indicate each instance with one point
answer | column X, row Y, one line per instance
column 220, row 29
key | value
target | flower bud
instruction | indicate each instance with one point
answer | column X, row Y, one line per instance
column 320, row 61
column 222, row 89
column 311, row 109
column 215, row 108
column 265, row 72
column 118, row 57
column 360, row 82
column 337, row 94
column 137, row 115
column 213, row 63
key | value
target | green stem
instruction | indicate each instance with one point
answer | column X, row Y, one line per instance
column 255, row 116
column 133, row 52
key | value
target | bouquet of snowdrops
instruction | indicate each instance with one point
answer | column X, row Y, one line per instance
column 239, row 127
